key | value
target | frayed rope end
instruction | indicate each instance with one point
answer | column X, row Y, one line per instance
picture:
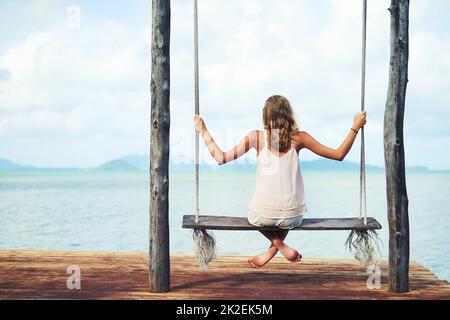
column 365, row 244
column 205, row 247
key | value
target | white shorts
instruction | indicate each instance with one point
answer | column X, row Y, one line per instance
column 282, row 223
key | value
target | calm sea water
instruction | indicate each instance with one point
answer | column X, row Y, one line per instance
column 109, row 212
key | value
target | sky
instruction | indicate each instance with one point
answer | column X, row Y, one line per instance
column 74, row 76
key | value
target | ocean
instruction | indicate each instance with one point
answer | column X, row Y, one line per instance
column 108, row 211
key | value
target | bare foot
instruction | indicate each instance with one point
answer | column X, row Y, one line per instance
column 298, row 258
column 290, row 254
column 262, row 259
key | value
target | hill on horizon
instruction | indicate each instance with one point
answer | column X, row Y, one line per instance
column 9, row 165
column 141, row 162
column 116, row 165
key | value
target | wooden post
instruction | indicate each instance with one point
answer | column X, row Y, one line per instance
column 397, row 198
column 159, row 256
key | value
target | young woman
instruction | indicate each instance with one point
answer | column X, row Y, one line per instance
column 279, row 198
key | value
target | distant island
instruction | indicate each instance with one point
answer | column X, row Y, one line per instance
column 141, row 163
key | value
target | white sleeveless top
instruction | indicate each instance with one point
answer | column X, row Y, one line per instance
column 279, row 189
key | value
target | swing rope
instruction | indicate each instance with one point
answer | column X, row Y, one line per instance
column 197, row 112
column 363, row 242
column 362, row 185
column 204, row 241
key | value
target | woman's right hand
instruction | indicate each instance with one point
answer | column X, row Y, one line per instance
column 359, row 120
column 199, row 124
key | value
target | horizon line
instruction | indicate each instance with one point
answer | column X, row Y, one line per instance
column 203, row 163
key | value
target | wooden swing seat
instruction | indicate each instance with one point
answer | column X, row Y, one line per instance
column 242, row 224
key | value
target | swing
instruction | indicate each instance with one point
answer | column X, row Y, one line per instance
column 363, row 227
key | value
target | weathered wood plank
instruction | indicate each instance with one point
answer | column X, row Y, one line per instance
column 394, row 153
column 159, row 262
column 241, row 223
column 42, row 275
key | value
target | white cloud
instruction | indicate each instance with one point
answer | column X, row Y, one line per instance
column 430, row 63
column 282, row 50
column 91, row 85
column 90, row 88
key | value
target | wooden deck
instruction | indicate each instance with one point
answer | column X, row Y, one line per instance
column 42, row 275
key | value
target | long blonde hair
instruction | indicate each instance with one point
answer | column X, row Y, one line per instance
column 278, row 118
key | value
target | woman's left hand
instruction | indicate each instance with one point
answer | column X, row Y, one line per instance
column 199, row 124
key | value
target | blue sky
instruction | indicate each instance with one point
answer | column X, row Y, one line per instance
column 79, row 97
